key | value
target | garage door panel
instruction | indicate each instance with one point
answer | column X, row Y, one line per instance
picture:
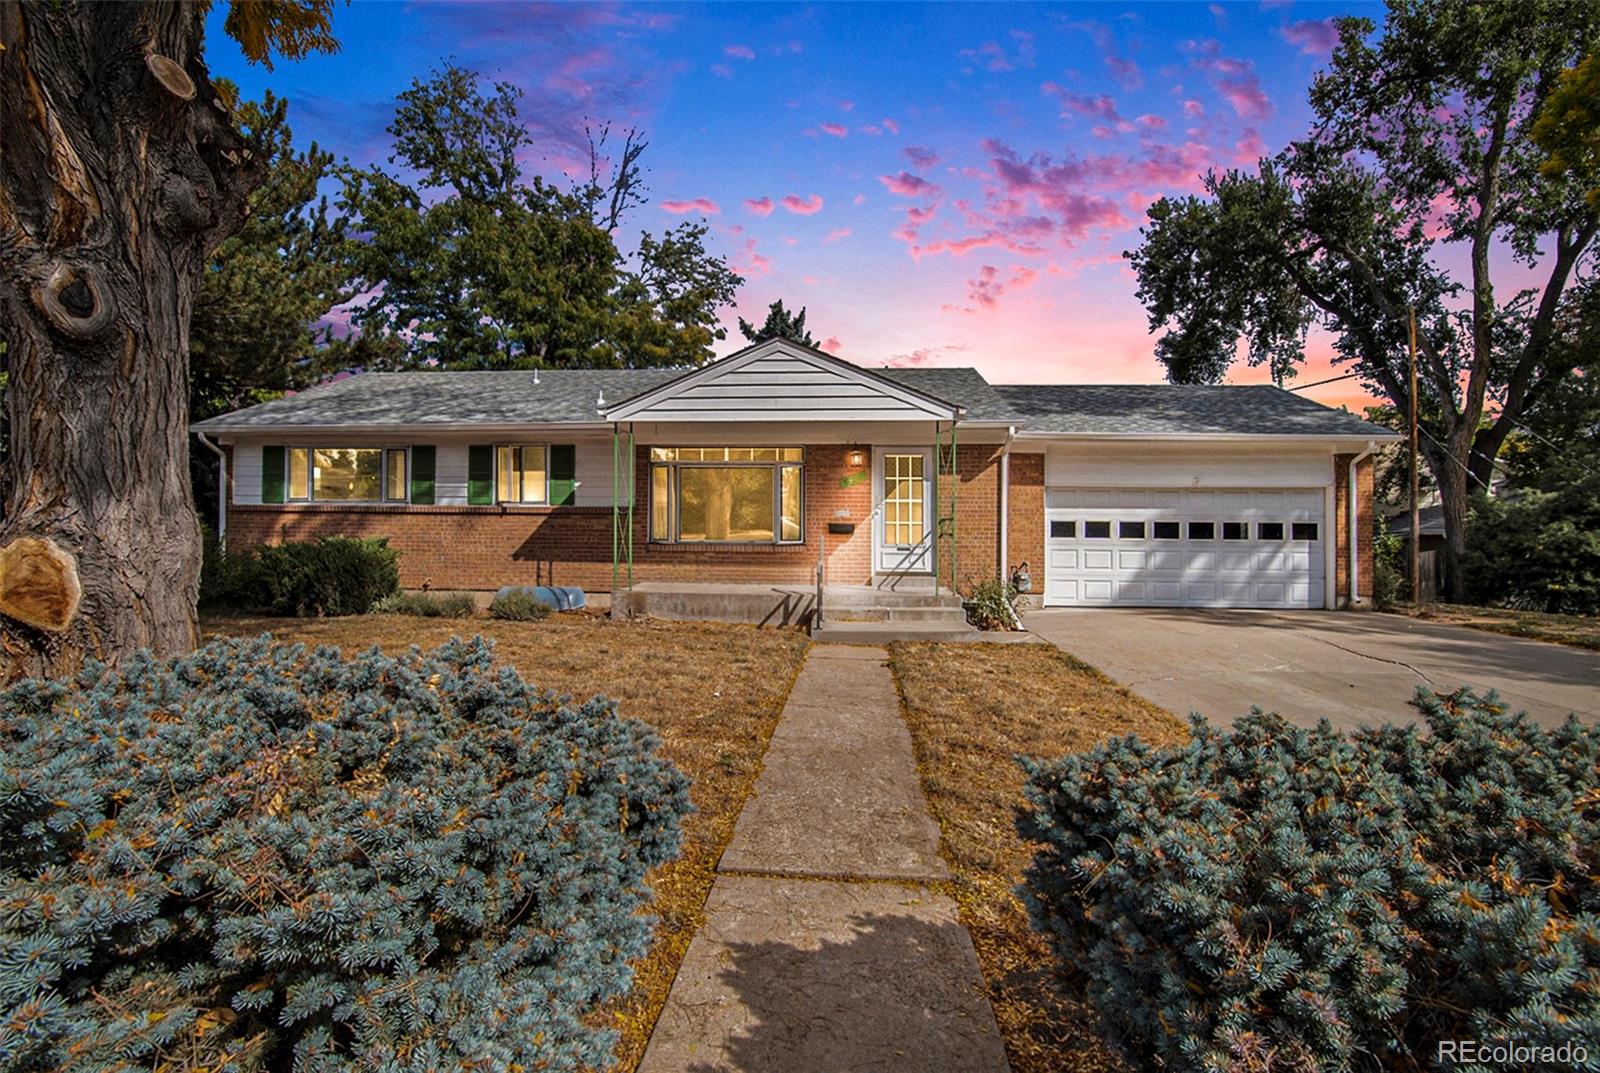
column 1172, row 569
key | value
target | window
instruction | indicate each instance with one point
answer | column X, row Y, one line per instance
column 1269, row 530
column 395, row 480
column 1130, row 530
column 1235, row 531
column 1303, row 531
column 1202, row 530
column 520, row 472
column 1063, row 530
column 727, row 495
column 1167, row 530
column 1097, row 530
column 347, row 475
column 904, row 493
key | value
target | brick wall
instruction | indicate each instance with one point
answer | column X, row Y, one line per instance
column 1341, row 528
column 485, row 547
column 1025, row 535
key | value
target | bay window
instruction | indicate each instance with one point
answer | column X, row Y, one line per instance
column 727, row 495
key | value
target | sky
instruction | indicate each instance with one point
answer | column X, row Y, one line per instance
column 938, row 185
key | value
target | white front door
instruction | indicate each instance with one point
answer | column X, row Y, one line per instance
column 903, row 535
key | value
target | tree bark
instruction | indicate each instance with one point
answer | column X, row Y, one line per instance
column 115, row 186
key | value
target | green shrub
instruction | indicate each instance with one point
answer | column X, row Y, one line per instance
column 993, row 606
column 1389, row 583
column 1537, row 552
column 262, row 857
column 330, row 576
column 518, row 604
column 1273, row 898
column 226, row 580
column 429, row 604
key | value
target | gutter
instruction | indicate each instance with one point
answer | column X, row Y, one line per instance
column 1005, row 505
column 1355, row 540
column 222, row 489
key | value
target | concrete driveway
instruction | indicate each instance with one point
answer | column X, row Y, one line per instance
column 1348, row 667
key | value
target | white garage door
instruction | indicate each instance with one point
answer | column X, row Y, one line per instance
column 1109, row 547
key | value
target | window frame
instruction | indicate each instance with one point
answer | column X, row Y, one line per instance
column 1244, row 531
column 1283, row 531
column 1107, row 535
column 1316, row 532
column 1155, row 530
column 669, row 460
column 309, row 454
column 521, row 469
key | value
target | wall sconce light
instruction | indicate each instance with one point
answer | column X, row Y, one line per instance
column 856, row 457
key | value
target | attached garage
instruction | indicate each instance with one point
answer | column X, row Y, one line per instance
column 1144, row 547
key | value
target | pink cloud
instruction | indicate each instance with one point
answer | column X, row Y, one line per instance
column 748, row 261
column 891, row 126
column 699, row 204
column 721, row 70
column 832, row 345
column 920, row 157
column 908, row 185
column 859, row 199
column 1194, row 109
column 1081, row 104
column 758, row 206
column 987, row 288
column 1151, row 122
column 1249, row 100
column 872, row 129
column 1125, row 71
column 740, row 52
column 1314, row 37
column 993, row 56
column 1249, row 149
column 838, row 234
column 835, row 130
column 847, row 106
column 927, row 355
column 807, row 206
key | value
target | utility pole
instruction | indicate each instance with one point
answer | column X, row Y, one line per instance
column 1416, row 507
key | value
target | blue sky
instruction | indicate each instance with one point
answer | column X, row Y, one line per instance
column 937, row 184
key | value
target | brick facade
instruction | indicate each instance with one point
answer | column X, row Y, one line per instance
column 1341, row 528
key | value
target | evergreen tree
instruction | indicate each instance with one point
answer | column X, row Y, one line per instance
column 780, row 324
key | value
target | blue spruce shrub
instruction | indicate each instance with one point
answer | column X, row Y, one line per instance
column 1269, row 898
column 263, row 857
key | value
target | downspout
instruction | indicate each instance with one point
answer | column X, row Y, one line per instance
column 1003, row 555
column 1355, row 539
column 222, row 490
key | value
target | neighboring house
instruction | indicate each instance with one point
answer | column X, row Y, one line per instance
column 755, row 467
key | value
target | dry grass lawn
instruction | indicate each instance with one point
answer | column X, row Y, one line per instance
column 1579, row 631
column 713, row 691
column 972, row 709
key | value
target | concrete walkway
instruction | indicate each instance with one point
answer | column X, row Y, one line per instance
column 823, row 949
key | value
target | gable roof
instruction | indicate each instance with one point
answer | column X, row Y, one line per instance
column 782, row 380
column 1179, row 410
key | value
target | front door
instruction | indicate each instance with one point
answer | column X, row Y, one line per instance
column 903, row 534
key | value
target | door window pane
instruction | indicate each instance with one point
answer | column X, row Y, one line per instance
column 1097, row 530
column 1202, row 530
column 346, row 473
column 725, row 503
column 660, row 503
column 1235, row 531
column 904, row 490
column 1167, row 530
column 1063, row 530
column 1130, row 530
column 1269, row 530
column 299, row 473
column 790, row 505
column 395, row 487
column 1303, row 531
column 532, row 471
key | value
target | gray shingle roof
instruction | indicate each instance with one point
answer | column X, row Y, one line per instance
column 962, row 386
column 1179, row 410
column 450, row 398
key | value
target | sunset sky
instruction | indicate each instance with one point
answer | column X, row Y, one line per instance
column 940, row 185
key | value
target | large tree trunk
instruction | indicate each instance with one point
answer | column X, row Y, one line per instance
column 119, row 175
column 1453, row 497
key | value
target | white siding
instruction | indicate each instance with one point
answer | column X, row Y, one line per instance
column 247, row 472
column 593, row 474
column 1191, row 465
column 450, row 474
column 782, row 386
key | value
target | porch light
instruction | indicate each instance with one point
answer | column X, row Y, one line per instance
column 856, row 457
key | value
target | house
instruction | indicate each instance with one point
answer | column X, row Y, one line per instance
column 761, row 466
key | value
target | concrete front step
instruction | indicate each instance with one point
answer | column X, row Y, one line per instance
column 835, row 631
column 835, row 613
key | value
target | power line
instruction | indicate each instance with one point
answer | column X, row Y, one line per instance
column 1332, row 380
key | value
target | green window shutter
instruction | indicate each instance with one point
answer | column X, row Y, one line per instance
column 422, row 456
column 480, row 473
column 563, row 474
column 272, row 470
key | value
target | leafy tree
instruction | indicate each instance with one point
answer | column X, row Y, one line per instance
column 1421, row 141
column 123, row 170
column 1568, row 127
column 478, row 266
column 780, row 324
